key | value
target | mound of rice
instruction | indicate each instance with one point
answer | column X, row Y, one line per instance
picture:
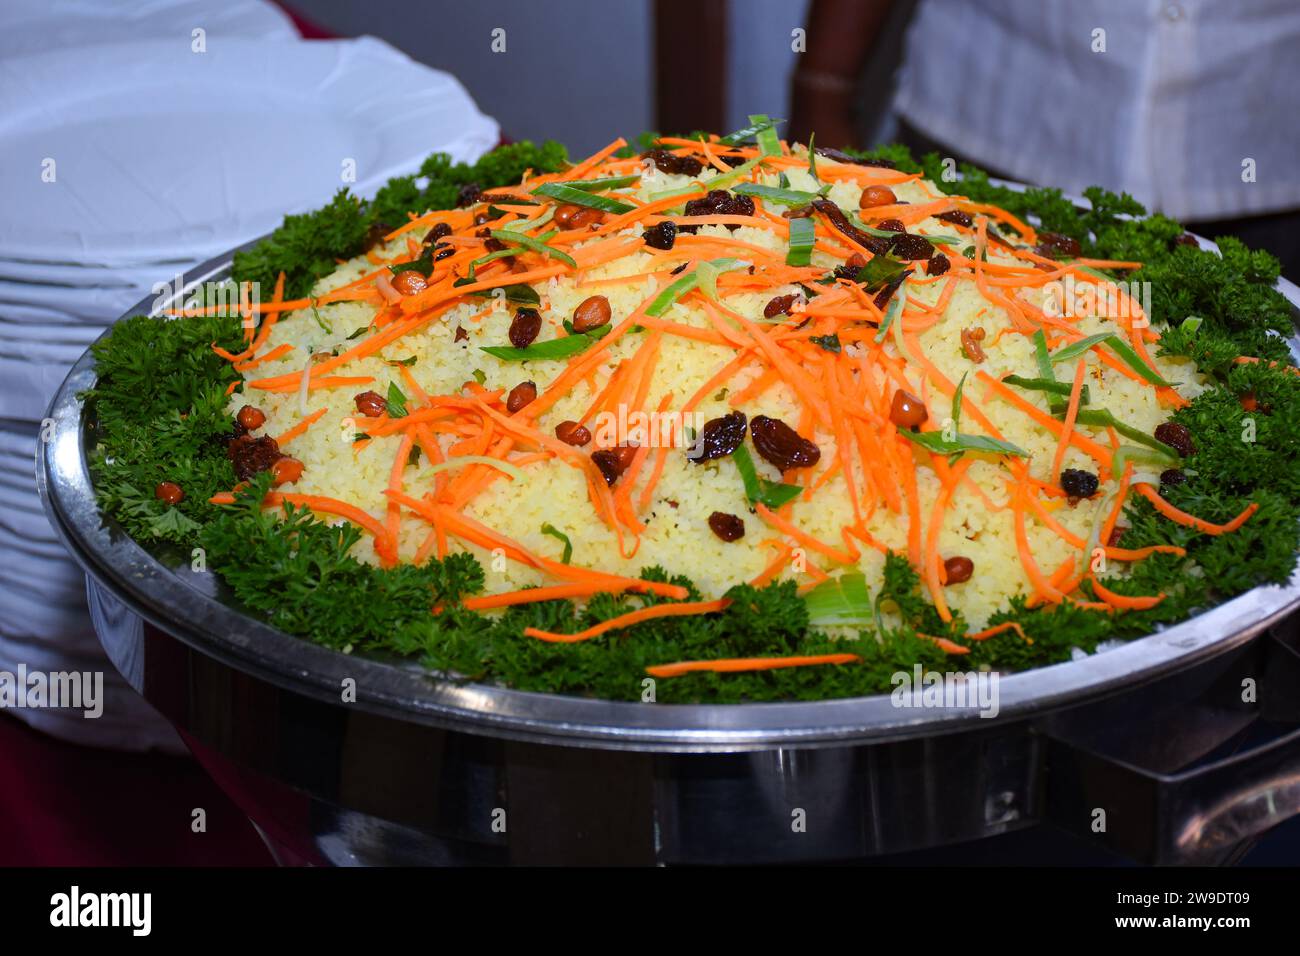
column 976, row 524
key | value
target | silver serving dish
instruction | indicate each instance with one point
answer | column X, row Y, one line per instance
column 420, row 769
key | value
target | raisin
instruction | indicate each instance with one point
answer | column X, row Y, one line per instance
column 469, row 194
column 1176, row 436
column 461, row 335
column 842, row 157
column 1078, row 483
column 573, row 433
column 908, row 247
column 958, row 569
column 671, row 163
column 719, row 437
column 727, row 527
column 1053, row 245
column 892, row 225
column 442, row 251
column 250, row 417
column 850, row 268
column 780, row 305
column 1172, row 476
column 938, row 264
column 906, row 410
column 169, row 492
column 591, row 313
column 520, row 396
column 782, row 445
column 832, row 212
column 718, row 202
column 440, row 231
column 957, row 217
column 884, row 295
column 375, row 235
column 612, row 462
column 524, row 328
column 371, row 404
column 252, row 455
column 661, row 236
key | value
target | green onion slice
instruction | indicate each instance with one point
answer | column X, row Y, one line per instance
column 688, row 281
column 759, row 490
column 769, row 144
column 601, row 185
column 554, row 532
column 1044, row 360
column 535, row 244
column 580, row 197
column 803, row 235
column 842, row 601
column 785, row 197
column 1047, row 385
column 1116, row 344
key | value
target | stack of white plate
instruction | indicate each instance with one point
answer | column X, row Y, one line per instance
column 134, row 146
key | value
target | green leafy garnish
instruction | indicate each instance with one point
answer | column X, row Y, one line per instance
column 581, row 197
column 551, row 349
column 535, row 244
column 555, row 532
column 396, row 401
column 759, row 490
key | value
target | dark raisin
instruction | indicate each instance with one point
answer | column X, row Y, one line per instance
column 842, row 157
column 876, row 246
column 718, row 202
column 1172, row 476
column 469, row 194
column 892, row 225
column 884, row 295
column 671, row 163
column 252, row 455
column 375, row 235
column 850, row 269
column 732, row 161
column 661, row 236
column 938, row 264
column 440, row 231
column 461, row 335
column 780, row 305
column 524, row 328
column 908, row 247
column 1176, row 436
column 958, row 570
column 782, row 445
column 493, row 245
column 443, row 251
column 719, row 438
column 1078, row 483
column 727, row 527
column 957, row 217
column 1053, row 245
column 799, row 212
column 612, row 462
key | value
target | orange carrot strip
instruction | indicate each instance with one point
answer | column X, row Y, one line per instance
column 734, row 664
column 1190, row 521
column 301, row 427
column 684, row 609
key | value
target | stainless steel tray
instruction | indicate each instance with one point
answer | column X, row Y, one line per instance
column 707, row 768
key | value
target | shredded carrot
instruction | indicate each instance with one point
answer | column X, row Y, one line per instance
column 301, row 427
column 1190, row 521
column 737, row 664
column 654, row 611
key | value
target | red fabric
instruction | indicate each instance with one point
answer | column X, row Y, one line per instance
column 62, row 804
column 308, row 29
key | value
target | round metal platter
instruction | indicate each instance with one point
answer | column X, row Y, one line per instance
column 197, row 609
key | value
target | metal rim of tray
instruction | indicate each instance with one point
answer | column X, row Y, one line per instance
column 406, row 691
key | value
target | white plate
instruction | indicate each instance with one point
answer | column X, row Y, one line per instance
column 160, row 152
column 40, row 26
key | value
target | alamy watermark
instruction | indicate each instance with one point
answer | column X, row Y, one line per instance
column 934, row 690
column 60, row 690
